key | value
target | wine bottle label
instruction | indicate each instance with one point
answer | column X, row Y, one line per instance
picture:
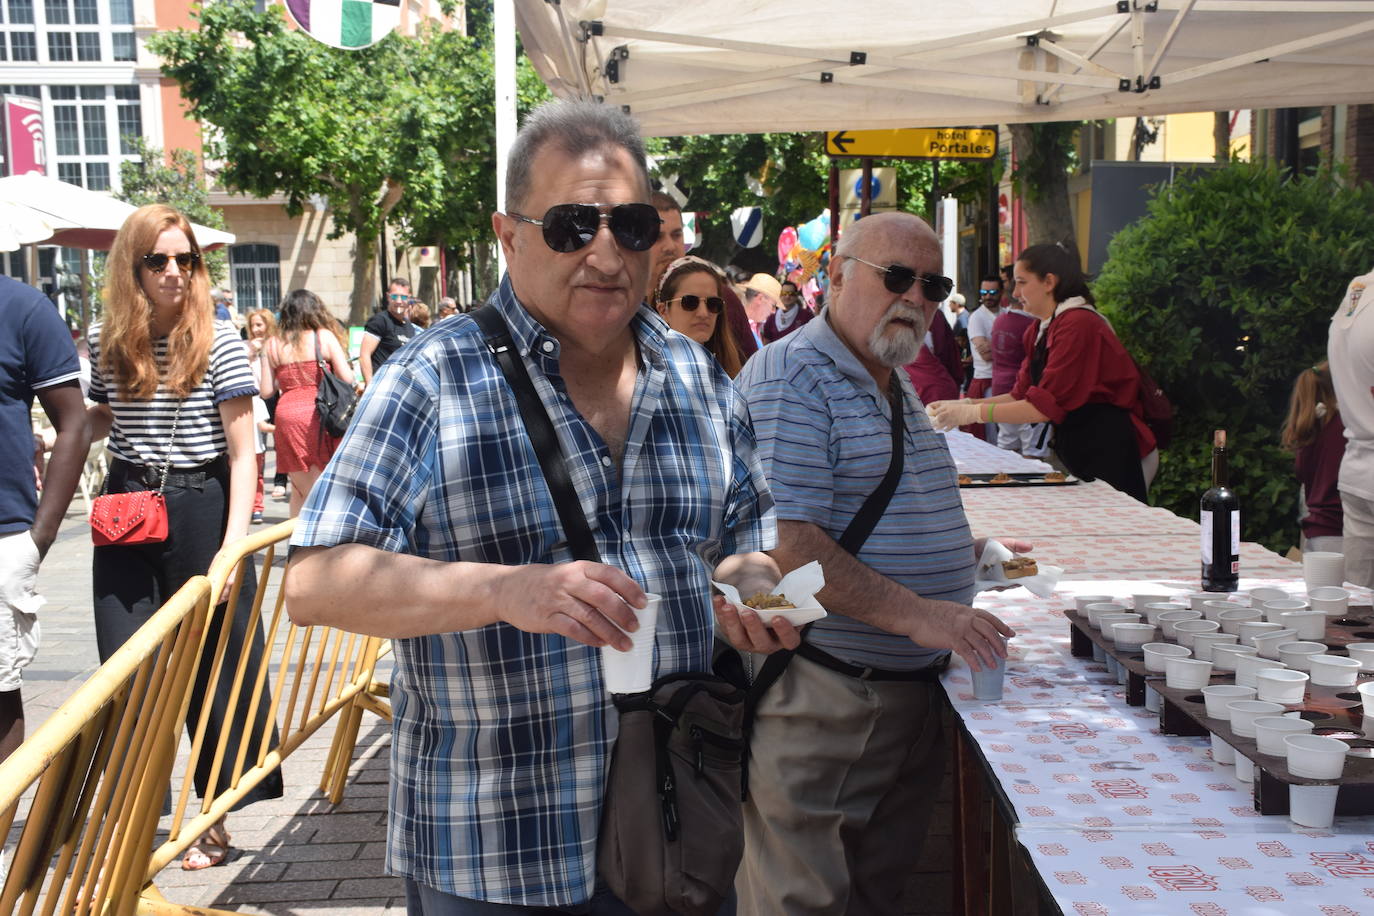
column 1207, row 526
column 1206, row 536
column 1235, row 542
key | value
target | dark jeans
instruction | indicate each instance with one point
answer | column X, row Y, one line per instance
column 422, row 900
column 132, row 582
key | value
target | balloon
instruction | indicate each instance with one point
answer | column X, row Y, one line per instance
column 815, row 234
column 787, row 238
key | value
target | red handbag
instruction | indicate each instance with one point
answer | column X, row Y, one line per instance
column 129, row 518
column 139, row 517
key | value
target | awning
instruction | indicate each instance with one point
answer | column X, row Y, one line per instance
column 748, row 66
column 79, row 218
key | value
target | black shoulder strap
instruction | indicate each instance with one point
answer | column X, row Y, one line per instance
column 866, row 519
column 540, row 430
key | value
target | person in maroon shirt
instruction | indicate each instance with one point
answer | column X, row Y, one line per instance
column 1315, row 434
column 937, row 369
column 787, row 319
column 1078, row 376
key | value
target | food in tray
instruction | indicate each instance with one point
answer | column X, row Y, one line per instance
column 765, row 601
column 965, row 480
column 1000, row 478
column 1019, row 567
column 1055, row 477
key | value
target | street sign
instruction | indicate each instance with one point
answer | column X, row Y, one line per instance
column 915, row 143
column 882, row 188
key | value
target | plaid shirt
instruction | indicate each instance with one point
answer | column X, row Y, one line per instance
column 502, row 737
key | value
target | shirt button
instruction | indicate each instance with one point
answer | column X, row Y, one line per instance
column 606, row 460
column 548, row 346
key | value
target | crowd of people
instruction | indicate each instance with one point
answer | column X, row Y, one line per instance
column 715, row 427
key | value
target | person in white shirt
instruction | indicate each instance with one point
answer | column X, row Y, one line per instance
column 1350, row 351
column 980, row 346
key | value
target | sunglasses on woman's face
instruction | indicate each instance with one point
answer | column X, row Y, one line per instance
column 689, row 303
column 157, row 261
column 899, row 279
column 568, row 227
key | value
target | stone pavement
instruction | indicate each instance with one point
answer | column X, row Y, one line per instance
column 294, row 855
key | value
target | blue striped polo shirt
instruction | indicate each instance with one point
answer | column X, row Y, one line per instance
column 824, row 433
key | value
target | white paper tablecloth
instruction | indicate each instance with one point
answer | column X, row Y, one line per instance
column 974, row 456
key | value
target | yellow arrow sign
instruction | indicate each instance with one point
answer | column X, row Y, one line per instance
column 915, row 143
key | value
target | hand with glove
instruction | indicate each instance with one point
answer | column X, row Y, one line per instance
column 949, row 414
column 19, row 572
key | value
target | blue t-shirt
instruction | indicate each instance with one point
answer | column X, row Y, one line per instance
column 36, row 351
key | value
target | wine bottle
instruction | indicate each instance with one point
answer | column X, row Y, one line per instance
column 1220, row 526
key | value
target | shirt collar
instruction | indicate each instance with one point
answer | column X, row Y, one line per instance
column 823, row 337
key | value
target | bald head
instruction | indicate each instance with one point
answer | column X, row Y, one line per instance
column 878, row 229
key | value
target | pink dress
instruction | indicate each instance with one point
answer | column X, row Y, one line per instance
column 300, row 440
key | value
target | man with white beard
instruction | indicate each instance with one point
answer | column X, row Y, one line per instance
column 847, row 749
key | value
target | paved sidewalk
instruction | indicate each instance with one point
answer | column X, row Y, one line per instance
column 296, row 854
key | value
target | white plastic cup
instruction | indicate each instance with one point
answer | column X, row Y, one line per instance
column 1224, row 656
column 1266, row 593
column 1252, row 628
column 1272, row 609
column 1152, row 699
column 1308, row 624
column 1281, row 685
column 1323, row 569
column 1316, row 756
column 987, row 684
column 1245, row 712
column 1213, row 609
column 1154, row 609
column 1081, row 602
column 1099, row 653
column 1245, row 768
column 1331, row 600
column 633, row 671
column 1247, row 666
column 1106, row 621
column 1231, row 620
column 1123, row 674
column 1271, row 730
column 1296, row 655
column 1113, row 667
column 1312, row 806
column 1333, row 670
column 1364, row 651
column 1185, row 630
column 1217, row 696
column 1131, row 636
column 1186, row 673
column 1269, row 641
column 1222, row 752
column 1156, row 653
column 1167, row 620
column 1096, row 610
column 1197, row 599
column 1204, row 644
column 1366, row 691
column 1139, row 600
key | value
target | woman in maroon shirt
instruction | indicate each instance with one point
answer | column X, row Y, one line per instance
column 1316, row 436
column 1077, row 375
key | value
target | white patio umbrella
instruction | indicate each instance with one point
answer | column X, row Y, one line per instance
column 81, row 218
column 21, row 225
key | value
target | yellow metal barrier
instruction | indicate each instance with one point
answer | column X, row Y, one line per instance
column 105, row 761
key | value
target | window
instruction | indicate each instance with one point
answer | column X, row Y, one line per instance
column 23, row 46
column 124, row 46
column 93, row 128
column 65, row 130
column 59, row 46
column 69, row 172
column 121, row 12
column 130, row 128
column 88, row 46
column 21, row 11
column 57, row 12
column 87, row 12
column 256, row 272
column 84, row 122
column 97, row 176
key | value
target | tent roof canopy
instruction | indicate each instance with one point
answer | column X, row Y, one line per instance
column 748, row 66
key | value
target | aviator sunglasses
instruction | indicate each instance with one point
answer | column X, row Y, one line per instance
column 157, row 261
column 899, row 279
column 689, row 303
column 568, row 227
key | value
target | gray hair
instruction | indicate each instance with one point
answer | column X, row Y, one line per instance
column 575, row 127
column 857, row 236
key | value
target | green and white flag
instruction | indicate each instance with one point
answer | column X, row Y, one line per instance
column 347, row 24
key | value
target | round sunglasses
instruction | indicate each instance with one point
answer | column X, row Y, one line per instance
column 899, row 279
column 157, row 261
column 568, row 227
column 714, row 304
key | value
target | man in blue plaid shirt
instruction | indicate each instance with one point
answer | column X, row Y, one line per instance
column 433, row 526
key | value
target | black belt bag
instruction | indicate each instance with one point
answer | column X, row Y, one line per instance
column 672, row 828
column 124, row 473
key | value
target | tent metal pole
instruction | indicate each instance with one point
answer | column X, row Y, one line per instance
column 1168, row 40
column 1272, row 51
column 504, row 22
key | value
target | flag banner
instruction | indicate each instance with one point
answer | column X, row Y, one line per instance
column 347, row 24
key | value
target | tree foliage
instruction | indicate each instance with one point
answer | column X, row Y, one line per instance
column 173, row 179
column 400, row 128
column 793, row 171
column 1045, row 155
column 1225, row 311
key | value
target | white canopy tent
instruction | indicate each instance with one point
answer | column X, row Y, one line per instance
column 743, row 66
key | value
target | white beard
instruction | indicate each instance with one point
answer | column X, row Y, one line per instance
column 902, row 346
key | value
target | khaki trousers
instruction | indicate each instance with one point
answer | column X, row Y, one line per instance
column 843, row 775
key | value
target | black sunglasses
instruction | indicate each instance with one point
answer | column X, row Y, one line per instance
column 157, row 261
column 568, row 227
column 899, row 279
column 689, row 303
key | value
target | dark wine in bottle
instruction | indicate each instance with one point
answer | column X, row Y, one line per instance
column 1220, row 526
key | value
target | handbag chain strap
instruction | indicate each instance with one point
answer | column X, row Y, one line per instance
column 166, row 465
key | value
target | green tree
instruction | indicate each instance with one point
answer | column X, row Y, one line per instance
column 396, row 125
column 175, row 180
column 1045, row 156
column 1224, row 313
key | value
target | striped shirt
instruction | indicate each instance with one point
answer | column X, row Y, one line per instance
column 501, row 737
column 825, row 438
column 142, row 430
